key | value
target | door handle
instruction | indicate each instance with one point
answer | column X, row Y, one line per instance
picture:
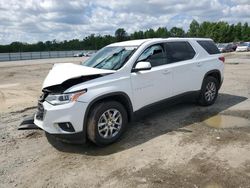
column 199, row 64
column 165, row 72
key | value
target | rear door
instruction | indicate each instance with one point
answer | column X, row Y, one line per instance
column 152, row 85
column 185, row 69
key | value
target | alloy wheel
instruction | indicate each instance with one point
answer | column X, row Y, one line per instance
column 109, row 123
column 210, row 91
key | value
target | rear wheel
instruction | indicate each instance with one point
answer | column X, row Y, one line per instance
column 209, row 91
column 107, row 122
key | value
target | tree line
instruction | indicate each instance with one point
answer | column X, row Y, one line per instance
column 220, row 32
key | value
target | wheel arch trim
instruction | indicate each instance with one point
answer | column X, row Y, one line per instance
column 211, row 72
column 128, row 107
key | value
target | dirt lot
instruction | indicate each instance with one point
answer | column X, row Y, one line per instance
column 183, row 145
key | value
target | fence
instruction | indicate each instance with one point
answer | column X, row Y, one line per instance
column 36, row 55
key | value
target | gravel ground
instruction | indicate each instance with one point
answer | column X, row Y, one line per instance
column 182, row 145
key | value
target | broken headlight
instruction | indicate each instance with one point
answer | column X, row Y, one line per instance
column 57, row 99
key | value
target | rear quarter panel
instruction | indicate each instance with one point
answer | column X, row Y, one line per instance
column 209, row 62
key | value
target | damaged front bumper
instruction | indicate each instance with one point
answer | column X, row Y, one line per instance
column 63, row 121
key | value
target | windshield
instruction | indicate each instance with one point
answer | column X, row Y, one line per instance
column 111, row 58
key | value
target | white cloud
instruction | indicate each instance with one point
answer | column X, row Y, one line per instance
column 33, row 20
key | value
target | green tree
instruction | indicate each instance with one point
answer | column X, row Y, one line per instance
column 137, row 35
column 150, row 33
column 218, row 31
column 162, row 32
column 245, row 32
column 194, row 29
column 120, row 34
column 177, row 32
column 204, row 30
column 238, row 34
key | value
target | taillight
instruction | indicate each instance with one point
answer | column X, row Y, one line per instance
column 222, row 59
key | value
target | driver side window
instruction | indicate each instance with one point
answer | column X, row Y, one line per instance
column 153, row 54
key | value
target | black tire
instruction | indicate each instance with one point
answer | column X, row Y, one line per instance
column 97, row 113
column 203, row 97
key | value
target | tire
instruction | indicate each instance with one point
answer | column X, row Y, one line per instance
column 209, row 91
column 101, row 122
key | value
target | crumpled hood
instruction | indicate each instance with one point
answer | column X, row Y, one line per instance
column 65, row 71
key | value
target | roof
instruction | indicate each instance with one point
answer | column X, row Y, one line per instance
column 130, row 42
column 141, row 41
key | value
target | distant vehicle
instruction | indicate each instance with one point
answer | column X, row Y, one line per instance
column 79, row 54
column 221, row 46
column 243, row 47
column 96, row 100
column 86, row 54
column 89, row 54
column 226, row 47
column 234, row 46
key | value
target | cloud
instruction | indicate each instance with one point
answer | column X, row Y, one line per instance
column 32, row 20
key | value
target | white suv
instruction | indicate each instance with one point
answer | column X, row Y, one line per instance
column 97, row 99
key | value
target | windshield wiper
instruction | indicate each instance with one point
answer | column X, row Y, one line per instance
column 120, row 64
column 109, row 57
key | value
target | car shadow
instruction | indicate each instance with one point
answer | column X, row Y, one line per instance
column 153, row 122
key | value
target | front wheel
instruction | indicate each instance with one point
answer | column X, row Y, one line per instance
column 107, row 122
column 209, row 91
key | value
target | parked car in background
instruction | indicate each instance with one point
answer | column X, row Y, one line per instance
column 89, row 54
column 226, row 47
column 86, row 54
column 97, row 99
column 234, row 46
column 221, row 46
column 79, row 54
column 243, row 47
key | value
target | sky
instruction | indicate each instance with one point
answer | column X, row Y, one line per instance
column 41, row 20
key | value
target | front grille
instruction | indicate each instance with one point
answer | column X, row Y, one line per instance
column 40, row 111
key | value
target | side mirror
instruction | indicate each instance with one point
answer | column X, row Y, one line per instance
column 141, row 66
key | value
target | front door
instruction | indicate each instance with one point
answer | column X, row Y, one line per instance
column 153, row 85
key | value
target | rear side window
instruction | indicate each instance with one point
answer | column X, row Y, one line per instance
column 179, row 51
column 209, row 46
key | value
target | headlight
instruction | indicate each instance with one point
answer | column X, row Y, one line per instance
column 57, row 99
